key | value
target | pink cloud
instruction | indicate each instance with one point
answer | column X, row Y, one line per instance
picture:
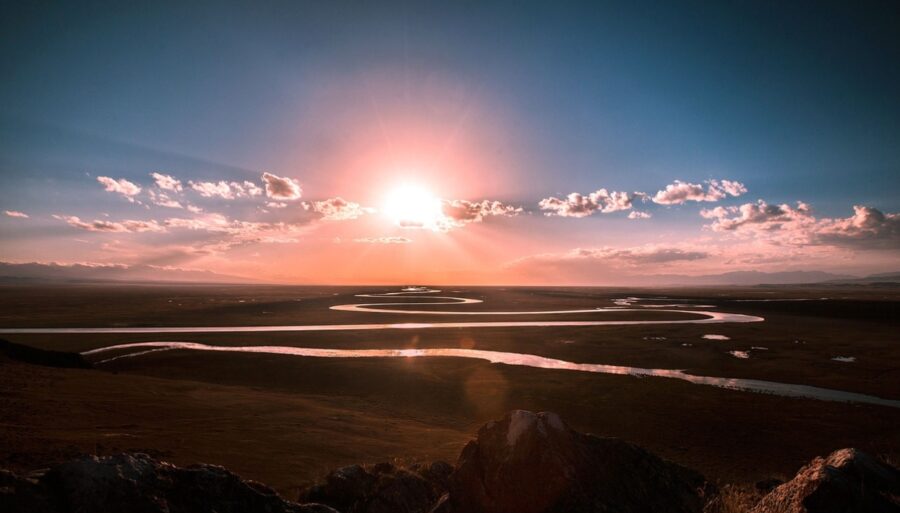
column 461, row 212
column 578, row 205
column 121, row 186
column 98, row 225
column 16, row 213
column 680, row 192
column 167, row 182
column 867, row 228
column 758, row 216
column 163, row 200
column 281, row 188
column 337, row 209
column 383, row 240
column 226, row 190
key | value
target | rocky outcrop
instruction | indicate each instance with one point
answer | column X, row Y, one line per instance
column 846, row 481
column 137, row 483
column 382, row 488
column 45, row 357
column 524, row 463
column 535, row 463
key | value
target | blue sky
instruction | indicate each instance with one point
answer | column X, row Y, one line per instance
column 514, row 102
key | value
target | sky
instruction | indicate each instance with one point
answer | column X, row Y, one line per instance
column 452, row 142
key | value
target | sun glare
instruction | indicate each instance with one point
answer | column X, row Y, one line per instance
column 413, row 206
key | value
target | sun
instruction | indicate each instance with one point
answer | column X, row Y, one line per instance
column 413, row 206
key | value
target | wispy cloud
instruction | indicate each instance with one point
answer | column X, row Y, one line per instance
column 121, row 186
column 605, row 263
column 383, row 240
column 163, row 200
column 167, row 182
column 16, row 213
column 99, row 225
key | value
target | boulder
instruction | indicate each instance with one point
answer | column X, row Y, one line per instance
column 382, row 488
column 137, row 483
column 534, row 463
column 846, row 481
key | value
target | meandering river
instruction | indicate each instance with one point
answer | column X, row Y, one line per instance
column 507, row 358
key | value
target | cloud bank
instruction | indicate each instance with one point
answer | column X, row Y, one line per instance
column 867, row 228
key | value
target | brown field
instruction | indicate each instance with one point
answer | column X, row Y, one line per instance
column 286, row 420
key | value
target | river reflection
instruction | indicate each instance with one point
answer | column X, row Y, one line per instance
column 528, row 360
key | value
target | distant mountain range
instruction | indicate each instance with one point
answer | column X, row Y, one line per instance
column 11, row 273
column 751, row 278
column 41, row 273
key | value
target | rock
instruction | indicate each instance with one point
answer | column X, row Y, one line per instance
column 846, row 481
column 382, row 488
column 22, row 495
column 48, row 358
column 535, row 463
column 767, row 485
column 137, row 483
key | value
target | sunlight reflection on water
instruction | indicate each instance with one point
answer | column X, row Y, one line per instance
column 528, row 360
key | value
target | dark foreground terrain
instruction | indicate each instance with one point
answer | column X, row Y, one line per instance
column 288, row 421
column 522, row 463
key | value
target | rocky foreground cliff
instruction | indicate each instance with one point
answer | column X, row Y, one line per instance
column 524, row 463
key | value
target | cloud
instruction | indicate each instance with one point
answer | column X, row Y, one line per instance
column 604, row 264
column 680, row 192
column 443, row 215
column 578, row 205
column 461, row 212
column 635, row 214
column 16, row 213
column 224, row 233
column 98, row 225
column 383, row 240
column 281, row 188
column 758, row 216
column 163, row 200
column 206, row 222
column 167, row 182
column 639, row 255
column 867, row 228
column 617, row 257
column 121, row 186
column 276, row 204
column 337, row 209
column 226, row 190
